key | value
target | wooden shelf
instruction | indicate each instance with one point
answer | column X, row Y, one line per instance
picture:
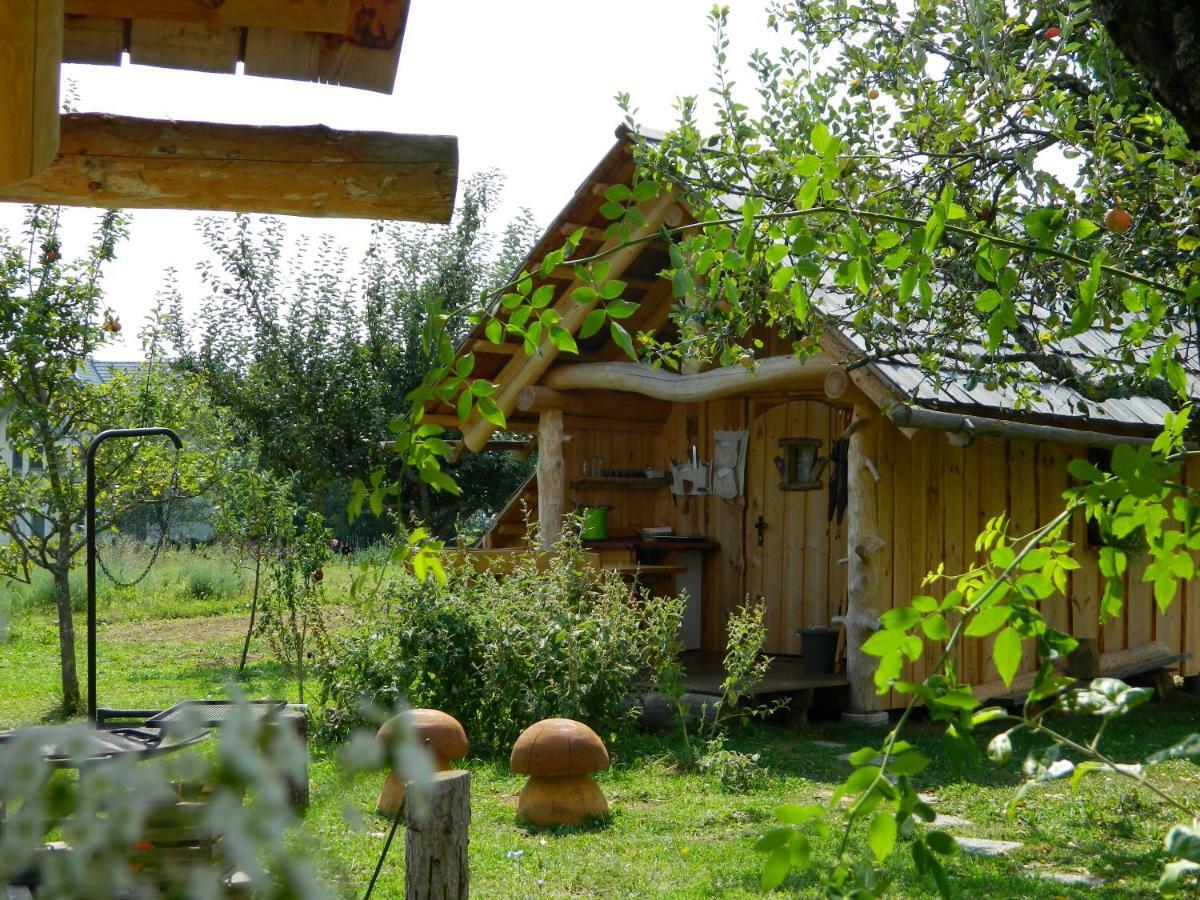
column 631, row 484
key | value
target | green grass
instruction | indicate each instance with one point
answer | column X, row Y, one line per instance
column 670, row 834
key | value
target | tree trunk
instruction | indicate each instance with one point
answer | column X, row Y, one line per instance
column 61, row 573
column 253, row 608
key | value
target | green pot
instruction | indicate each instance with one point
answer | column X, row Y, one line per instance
column 595, row 523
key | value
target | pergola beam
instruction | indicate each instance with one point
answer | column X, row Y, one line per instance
column 728, row 381
column 962, row 430
column 122, row 162
column 329, row 16
column 31, row 48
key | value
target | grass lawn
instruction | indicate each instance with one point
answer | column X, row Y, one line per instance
column 670, row 834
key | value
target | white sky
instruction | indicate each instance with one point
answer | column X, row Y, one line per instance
column 527, row 87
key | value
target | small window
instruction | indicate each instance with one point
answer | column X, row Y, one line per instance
column 800, row 465
column 16, row 462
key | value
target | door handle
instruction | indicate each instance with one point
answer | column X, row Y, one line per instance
column 760, row 526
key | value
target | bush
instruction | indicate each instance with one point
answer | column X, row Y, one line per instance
column 736, row 772
column 500, row 653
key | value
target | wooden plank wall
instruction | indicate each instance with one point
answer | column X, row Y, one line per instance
column 933, row 499
column 941, row 497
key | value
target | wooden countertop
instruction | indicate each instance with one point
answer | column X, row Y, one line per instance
column 703, row 544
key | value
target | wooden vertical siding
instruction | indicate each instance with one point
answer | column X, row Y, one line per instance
column 943, row 496
column 932, row 499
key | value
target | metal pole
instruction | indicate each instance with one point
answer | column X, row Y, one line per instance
column 90, row 526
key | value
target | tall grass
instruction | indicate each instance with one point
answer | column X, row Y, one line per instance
column 182, row 583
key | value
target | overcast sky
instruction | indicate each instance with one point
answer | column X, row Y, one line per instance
column 527, row 87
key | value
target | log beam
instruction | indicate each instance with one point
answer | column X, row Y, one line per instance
column 31, row 49
column 962, row 430
column 767, row 374
column 610, row 404
column 121, row 162
column 864, row 584
column 551, row 478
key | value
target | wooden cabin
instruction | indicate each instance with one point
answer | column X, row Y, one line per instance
column 97, row 160
column 922, row 481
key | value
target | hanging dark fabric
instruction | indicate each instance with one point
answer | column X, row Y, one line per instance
column 839, row 481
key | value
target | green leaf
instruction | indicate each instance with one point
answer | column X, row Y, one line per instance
column 1082, row 228
column 808, row 193
column 1188, row 748
column 621, row 309
column 1007, row 654
column 881, row 835
column 820, row 138
column 999, row 748
column 490, row 411
column 776, row 868
column 494, row 330
column 988, row 620
column 622, row 339
column 935, row 627
column 593, row 323
column 773, row 840
column 562, row 339
column 910, row 763
column 610, row 290
column 542, row 296
column 798, row 814
column 941, row 842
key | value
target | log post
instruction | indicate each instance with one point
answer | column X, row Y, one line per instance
column 864, row 588
column 435, row 843
column 551, row 484
column 31, row 49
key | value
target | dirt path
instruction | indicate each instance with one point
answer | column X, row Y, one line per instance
column 201, row 630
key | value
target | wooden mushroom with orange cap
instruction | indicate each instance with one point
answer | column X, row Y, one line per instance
column 440, row 732
column 559, row 756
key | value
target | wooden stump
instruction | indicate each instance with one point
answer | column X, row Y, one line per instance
column 435, row 844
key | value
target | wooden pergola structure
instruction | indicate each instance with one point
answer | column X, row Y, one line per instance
column 117, row 161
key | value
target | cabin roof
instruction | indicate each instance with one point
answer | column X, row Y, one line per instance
column 510, row 368
column 355, row 43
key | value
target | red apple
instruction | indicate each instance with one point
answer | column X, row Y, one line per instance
column 1052, row 32
column 318, row 575
column 1118, row 220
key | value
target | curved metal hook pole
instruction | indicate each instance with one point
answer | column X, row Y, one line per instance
column 91, row 542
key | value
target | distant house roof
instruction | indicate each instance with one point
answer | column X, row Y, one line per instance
column 101, row 371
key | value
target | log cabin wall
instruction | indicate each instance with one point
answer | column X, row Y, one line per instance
column 932, row 500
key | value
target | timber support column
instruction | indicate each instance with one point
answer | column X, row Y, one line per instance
column 551, row 483
column 864, row 587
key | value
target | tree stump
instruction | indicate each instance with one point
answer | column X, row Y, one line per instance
column 435, row 844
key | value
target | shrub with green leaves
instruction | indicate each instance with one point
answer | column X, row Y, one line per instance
column 552, row 637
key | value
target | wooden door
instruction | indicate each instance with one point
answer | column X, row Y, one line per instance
column 793, row 555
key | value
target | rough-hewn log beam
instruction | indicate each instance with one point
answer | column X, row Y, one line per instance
column 115, row 161
column 962, row 430
column 864, row 582
column 31, row 47
column 551, row 478
column 613, row 404
column 767, row 374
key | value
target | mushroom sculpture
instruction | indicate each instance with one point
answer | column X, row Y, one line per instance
column 440, row 732
column 559, row 756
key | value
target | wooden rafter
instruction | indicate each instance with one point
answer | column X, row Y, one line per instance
column 130, row 163
column 30, row 53
column 524, row 369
